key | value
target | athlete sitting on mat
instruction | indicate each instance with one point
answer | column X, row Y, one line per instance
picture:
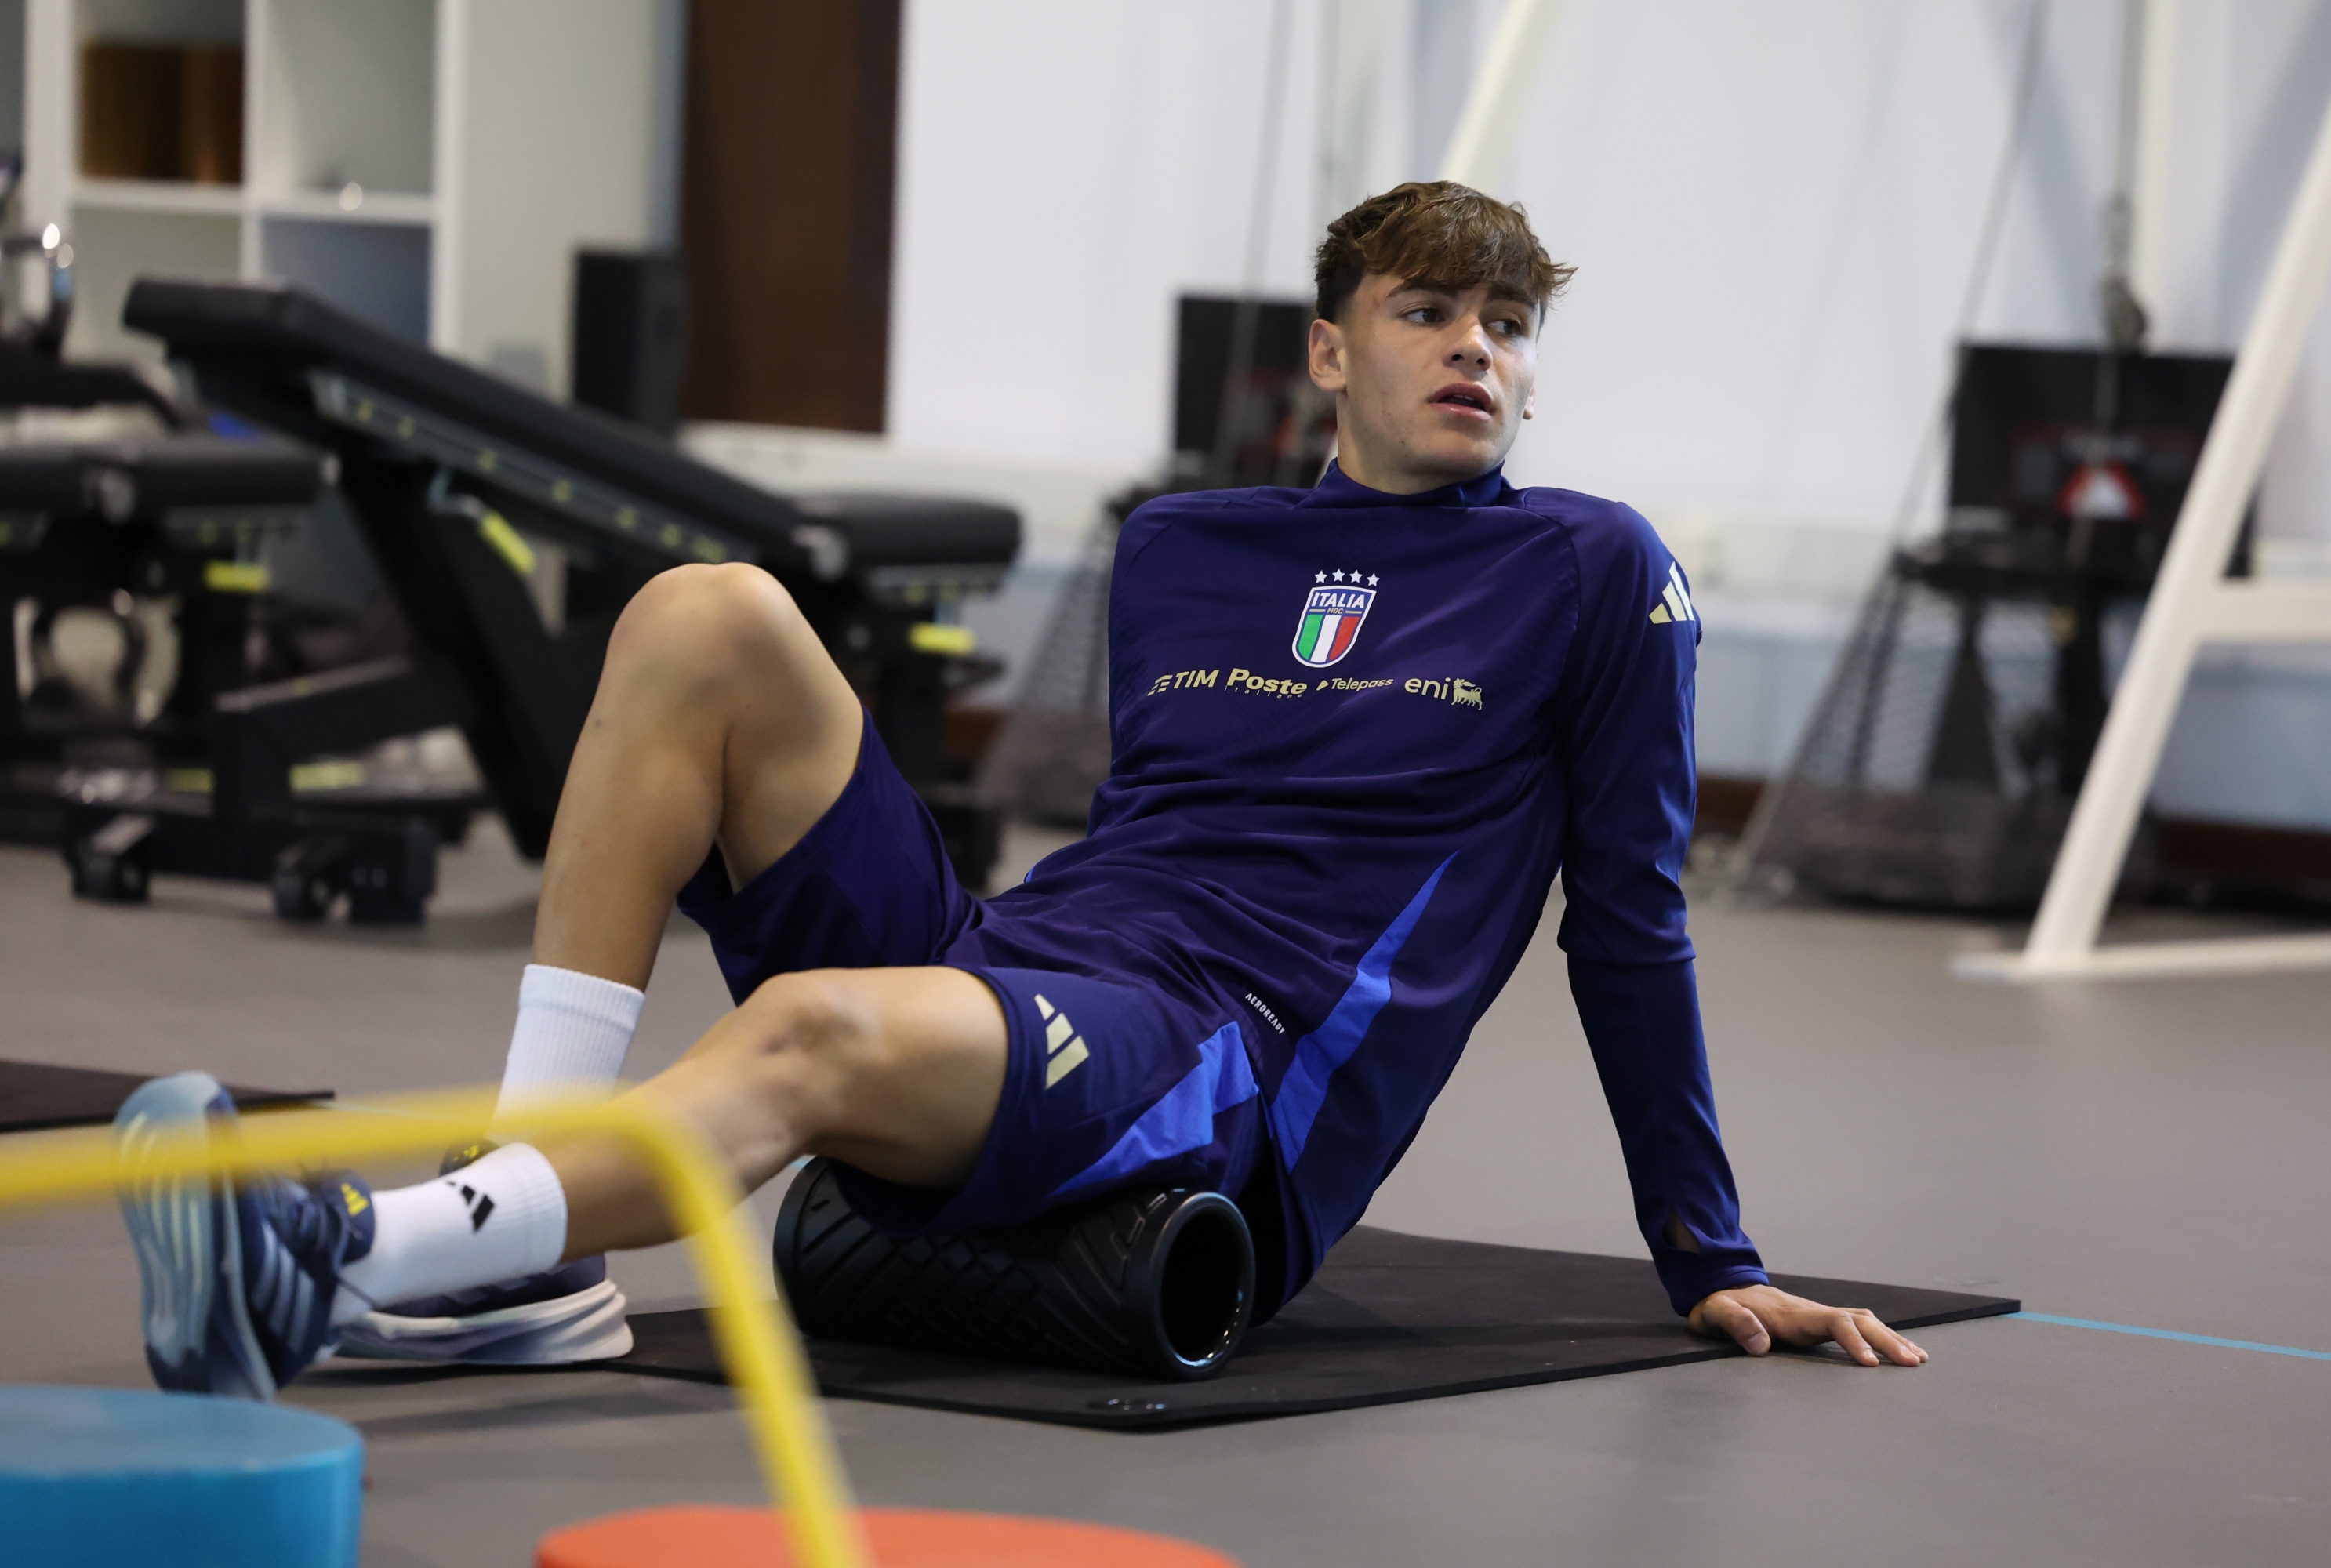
column 1357, row 729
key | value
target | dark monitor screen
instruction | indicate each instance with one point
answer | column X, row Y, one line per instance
column 1285, row 424
column 2027, row 440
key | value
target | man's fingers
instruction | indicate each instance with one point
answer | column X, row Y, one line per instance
column 1847, row 1332
column 1796, row 1321
column 1890, row 1344
column 1735, row 1318
column 1860, row 1335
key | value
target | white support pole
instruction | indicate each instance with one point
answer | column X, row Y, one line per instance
column 1351, row 57
column 2157, row 115
column 450, row 156
column 51, row 114
column 1493, row 109
column 2190, row 603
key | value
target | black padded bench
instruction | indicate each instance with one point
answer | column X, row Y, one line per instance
column 450, row 471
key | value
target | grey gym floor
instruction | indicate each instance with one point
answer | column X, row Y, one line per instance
column 2149, row 1153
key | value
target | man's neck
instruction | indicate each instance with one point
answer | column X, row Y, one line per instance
column 1364, row 466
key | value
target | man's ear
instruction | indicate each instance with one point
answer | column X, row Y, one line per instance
column 1530, row 405
column 1326, row 356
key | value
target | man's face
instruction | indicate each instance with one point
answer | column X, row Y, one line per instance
column 1431, row 386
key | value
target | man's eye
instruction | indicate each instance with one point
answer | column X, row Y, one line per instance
column 1424, row 314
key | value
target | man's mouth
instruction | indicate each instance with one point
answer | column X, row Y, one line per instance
column 1465, row 398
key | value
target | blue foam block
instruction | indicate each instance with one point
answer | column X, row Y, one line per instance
column 97, row 1478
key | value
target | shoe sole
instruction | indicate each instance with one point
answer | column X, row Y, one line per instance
column 587, row 1325
column 184, row 1250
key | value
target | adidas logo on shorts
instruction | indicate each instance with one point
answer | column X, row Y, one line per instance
column 1061, row 1040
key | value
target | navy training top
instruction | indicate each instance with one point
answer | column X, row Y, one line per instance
column 1355, row 736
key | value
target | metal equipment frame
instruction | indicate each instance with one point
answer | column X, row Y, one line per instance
column 2192, row 604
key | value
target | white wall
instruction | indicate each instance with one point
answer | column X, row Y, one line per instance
column 1066, row 168
column 539, row 179
column 1772, row 207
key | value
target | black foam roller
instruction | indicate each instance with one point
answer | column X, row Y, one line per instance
column 1159, row 1283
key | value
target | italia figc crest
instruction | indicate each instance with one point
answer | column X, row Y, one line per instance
column 1331, row 622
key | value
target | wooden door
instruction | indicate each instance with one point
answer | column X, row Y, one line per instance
column 785, row 209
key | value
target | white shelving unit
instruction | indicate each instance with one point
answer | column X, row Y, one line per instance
column 431, row 164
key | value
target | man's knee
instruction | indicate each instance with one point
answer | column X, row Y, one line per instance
column 707, row 624
column 897, row 1072
column 818, row 1034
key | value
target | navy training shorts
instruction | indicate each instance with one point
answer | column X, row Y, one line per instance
column 1110, row 1083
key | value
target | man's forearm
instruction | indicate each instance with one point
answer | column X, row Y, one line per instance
column 1642, row 1023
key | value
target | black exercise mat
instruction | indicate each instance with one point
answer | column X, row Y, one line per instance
column 1389, row 1318
column 35, row 1095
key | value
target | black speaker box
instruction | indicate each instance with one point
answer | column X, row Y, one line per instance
column 631, row 335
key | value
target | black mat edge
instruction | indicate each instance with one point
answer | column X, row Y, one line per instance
column 245, row 1100
column 1134, row 1419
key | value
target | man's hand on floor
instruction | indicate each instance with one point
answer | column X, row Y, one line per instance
column 1758, row 1315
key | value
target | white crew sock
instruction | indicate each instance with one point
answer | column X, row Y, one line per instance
column 502, row 1217
column 573, row 1032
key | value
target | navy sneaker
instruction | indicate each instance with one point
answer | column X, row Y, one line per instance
column 239, row 1276
column 565, row 1315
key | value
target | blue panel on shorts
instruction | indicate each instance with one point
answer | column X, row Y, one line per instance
column 1182, row 1121
column 1319, row 1053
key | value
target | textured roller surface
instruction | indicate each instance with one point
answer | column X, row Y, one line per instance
column 1079, row 1288
column 95, row 1478
column 703, row 1536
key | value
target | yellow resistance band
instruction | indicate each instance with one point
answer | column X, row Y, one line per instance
column 758, row 1347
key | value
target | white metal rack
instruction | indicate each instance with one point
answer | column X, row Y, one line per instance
column 2192, row 604
column 429, row 164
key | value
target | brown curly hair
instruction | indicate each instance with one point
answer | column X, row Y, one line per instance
column 1439, row 234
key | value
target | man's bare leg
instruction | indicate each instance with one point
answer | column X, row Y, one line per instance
column 719, row 719
column 898, row 1071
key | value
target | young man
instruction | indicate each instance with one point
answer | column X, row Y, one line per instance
column 1357, row 731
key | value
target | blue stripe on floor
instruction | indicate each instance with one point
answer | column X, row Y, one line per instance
column 2172, row 1334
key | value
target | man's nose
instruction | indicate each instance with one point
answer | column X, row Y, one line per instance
column 1472, row 349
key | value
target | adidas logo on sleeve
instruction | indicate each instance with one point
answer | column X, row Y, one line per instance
column 1675, row 599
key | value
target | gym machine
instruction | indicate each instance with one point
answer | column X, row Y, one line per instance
column 458, row 480
column 1941, row 766
column 121, row 504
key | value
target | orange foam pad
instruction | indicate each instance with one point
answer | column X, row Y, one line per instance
column 700, row 1535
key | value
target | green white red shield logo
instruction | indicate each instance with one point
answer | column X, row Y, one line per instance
column 1331, row 623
